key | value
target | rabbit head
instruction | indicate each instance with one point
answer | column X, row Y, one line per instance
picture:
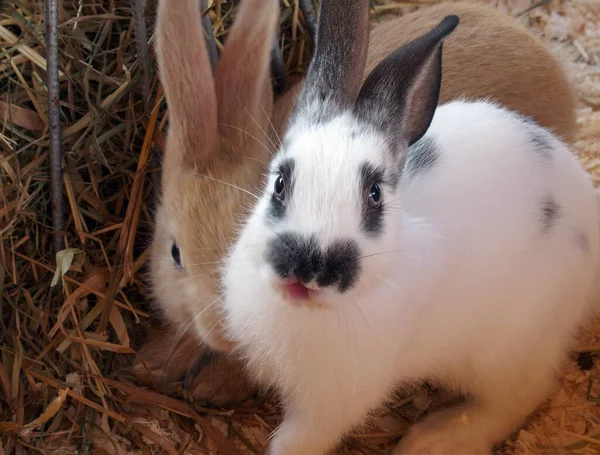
column 327, row 219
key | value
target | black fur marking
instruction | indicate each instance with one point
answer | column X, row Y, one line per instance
column 541, row 142
column 278, row 208
column 583, row 241
column 372, row 222
column 422, row 156
column 551, row 212
column 294, row 256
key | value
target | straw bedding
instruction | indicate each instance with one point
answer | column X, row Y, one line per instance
column 63, row 388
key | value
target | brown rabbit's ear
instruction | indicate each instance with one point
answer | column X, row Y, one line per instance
column 335, row 72
column 186, row 76
column 243, row 76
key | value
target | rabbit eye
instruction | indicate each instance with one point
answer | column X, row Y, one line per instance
column 176, row 255
column 374, row 197
column 280, row 187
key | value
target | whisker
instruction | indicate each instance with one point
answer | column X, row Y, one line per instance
column 224, row 183
column 253, row 137
column 385, row 280
column 256, row 159
column 191, row 265
column 198, row 350
column 188, row 278
column 259, row 127
column 272, row 126
column 378, row 254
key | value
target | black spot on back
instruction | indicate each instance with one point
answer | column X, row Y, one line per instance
column 551, row 212
column 583, row 241
column 295, row 256
column 277, row 208
column 372, row 221
column 541, row 142
column 422, row 155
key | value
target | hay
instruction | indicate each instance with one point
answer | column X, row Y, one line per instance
column 64, row 347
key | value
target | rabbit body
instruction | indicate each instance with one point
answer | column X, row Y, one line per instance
column 394, row 242
column 488, row 268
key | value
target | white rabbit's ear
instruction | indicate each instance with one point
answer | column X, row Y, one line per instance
column 186, row 76
column 335, row 72
column 402, row 92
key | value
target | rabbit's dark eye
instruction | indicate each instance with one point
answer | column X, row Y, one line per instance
column 280, row 187
column 176, row 255
column 374, row 197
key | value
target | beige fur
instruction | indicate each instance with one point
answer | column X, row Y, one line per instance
column 219, row 135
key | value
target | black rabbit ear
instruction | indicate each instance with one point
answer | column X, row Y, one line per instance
column 335, row 72
column 402, row 92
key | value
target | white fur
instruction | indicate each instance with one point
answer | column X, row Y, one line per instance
column 462, row 287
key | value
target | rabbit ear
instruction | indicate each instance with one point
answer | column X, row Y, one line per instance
column 187, row 79
column 243, row 76
column 402, row 92
column 335, row 72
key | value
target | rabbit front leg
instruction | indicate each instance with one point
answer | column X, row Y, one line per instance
column 486, row 419
column 306, row 431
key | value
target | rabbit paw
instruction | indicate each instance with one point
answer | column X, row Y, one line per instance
column 221, row 380
column 166, row 359
column 442, row 437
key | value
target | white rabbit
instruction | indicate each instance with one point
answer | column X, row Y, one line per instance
column 391, row 245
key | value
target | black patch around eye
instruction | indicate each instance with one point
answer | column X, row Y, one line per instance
column 372, row 222
column 550, row 213
column 278, row 205
column 422, row 156
column 176, row 254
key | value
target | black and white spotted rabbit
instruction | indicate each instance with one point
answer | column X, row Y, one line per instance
column 397, row 240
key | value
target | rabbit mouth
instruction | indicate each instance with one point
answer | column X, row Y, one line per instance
column 300, row 294
column 297, row 291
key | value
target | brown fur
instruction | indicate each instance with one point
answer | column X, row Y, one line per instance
column 489, row 55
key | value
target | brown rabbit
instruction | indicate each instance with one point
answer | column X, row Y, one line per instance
column 220, row 137
column 216, row 150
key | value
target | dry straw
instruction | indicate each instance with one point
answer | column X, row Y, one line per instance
column 70, row 324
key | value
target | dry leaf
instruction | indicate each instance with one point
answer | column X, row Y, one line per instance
column 22, row 117
column 64, row 259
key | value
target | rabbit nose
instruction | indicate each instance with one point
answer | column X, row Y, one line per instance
column 301, row 259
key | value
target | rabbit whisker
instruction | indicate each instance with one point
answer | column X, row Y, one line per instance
column 255, row 159
column 187, row 324
column 271, row 152
column 224, row 183
column 197, row 264
column 259, row 127
column 188, row 278
column 198, row 351
column 272, row 126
